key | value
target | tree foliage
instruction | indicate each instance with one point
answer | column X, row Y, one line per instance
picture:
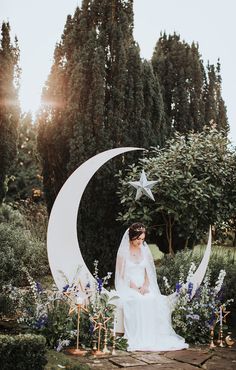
column 196, row 188
column 9, row 106
column 100, row 94
column 192, row 94
column 95, row 99
column 25, row 180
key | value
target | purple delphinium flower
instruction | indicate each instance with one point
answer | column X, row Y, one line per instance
column 64, row 289
column 190, row 289
column 41, row 322
column 212, row 318
column 99, row 287
column 38, row 287
column 178, row 286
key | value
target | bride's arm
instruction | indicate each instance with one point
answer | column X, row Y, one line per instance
column 145, row 287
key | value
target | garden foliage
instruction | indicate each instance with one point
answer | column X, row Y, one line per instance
column 193, row 317
column 21, row 247
column 195, row 188
column 23, row 351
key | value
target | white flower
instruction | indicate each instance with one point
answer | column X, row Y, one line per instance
column 191, row 272
column 220, row 280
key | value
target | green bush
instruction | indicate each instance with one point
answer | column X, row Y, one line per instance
column 221, row 258
column 192, row 316
column 19, row 249
column 22, row 351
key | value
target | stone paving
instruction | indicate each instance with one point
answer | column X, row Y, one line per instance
column 188, row 359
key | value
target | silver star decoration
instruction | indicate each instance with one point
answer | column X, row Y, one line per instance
column 143, row 186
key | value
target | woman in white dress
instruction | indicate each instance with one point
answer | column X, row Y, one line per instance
column 147, row 313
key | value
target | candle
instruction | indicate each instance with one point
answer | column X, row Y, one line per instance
column 114, row 326
column 79, row 300
column 221, row 318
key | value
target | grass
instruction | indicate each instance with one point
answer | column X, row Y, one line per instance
column 156, row 253
column 59, row 360
column 227, row 253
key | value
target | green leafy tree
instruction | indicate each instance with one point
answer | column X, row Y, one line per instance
column 25, row 180
column 9, row 108
column 195, row 177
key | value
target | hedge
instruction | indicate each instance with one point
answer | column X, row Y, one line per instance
column 23, row 351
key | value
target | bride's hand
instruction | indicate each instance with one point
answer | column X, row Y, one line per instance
column 143, row 290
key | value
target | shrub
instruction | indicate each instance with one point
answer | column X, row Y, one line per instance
column 192, row 316
column 22, row 351
column 172, row 266
column 19, row 249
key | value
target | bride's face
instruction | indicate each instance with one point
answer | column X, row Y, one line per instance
column 139, row 241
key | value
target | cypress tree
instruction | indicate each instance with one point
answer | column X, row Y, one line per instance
column 192, row 97
column 9, row 107
column 98, row 87
column 215, row 110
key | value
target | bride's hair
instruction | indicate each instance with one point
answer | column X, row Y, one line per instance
column 135, row 230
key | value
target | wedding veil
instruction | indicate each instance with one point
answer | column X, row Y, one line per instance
column 122, row 281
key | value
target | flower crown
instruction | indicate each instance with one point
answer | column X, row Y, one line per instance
column 142, row 229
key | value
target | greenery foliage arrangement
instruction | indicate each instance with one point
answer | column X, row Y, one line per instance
column 23, row 351
column 193, row 317
column 195, row 189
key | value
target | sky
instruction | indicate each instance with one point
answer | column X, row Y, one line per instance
column 38, row 25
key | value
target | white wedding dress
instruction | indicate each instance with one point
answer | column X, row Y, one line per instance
column 147, row 318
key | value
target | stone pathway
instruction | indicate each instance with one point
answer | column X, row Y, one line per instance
column 190, row 359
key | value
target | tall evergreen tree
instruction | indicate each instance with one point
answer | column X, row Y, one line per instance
column 97, row 85
column 9, row 107
column 215, row 110
column 192, row 97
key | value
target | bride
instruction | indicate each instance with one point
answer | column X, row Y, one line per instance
column 147, row 313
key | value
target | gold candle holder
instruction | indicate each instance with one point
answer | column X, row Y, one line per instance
column 98, row 352
column 77, row 351
column 105, row 349
column 228, row 340
column 212, row 345
column 100, row 323
column 221, row 343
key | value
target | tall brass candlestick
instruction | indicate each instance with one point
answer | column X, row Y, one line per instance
column 221, row 337
column 212, row 345
column 105, row 349
column 113, row 352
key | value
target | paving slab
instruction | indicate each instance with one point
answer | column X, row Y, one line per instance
column 190, row 356
column 102, row 364
column 229, row 353
column 126, row 361
column 218, row 363
column 173, row 366
column 152, row 358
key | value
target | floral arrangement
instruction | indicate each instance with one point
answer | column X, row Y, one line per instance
column 194, row 315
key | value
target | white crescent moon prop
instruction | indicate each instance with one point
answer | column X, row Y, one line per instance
column 199, row 274
column 62, row 242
